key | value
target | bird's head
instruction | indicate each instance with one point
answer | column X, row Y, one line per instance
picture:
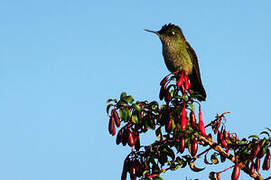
column 168, row 32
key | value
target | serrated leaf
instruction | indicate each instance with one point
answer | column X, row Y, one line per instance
column 194, row 168
column 214, row 159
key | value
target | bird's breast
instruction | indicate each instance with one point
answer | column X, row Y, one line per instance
column 177, row 58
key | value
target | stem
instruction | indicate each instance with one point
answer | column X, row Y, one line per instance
column 230, row 157
column 203, row 152
column 225, row 170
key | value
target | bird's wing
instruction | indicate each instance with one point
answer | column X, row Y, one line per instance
column 195, row 79
column 194, row 59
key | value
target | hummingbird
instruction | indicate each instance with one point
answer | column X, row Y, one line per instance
column 180, row 56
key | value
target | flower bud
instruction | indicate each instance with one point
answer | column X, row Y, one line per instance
column 116, row 117
column 194, row 147
column 180, row 81
column 266, row 163
column 182, row 144
column 184, row 119
column 236, row 172
column 193, row 119
column 111, row 127
column 201, row 124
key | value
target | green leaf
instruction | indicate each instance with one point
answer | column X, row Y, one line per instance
column 125, row 114
column 263, row 142
column 192, row 106
column 128, row 99
column 123, row 94
column 157, row 178
column 182, row 163
column 110, row 100
column 137, row 107
column 265, row 132
column 145, row 172
column 254, row 136
column 135, row 118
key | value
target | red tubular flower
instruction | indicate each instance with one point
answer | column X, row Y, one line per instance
column 257, row 164
column 266, row 163
column 180, row 81
column 201, row 124
column 236, row 172
column 194, row 147
column 182, row 144
column 131, row 139
column 255, row 150
column 252, row 169
column 186, row 82
column 184, row 119
column 111, row 127
column 193, row 119
column 218, row 137
column 119, row 137
column 137, row 143
column 169, row 125
column 224, row 143
column 116, row 117
column 162, row 93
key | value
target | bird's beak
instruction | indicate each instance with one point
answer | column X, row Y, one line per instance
column 155, row 32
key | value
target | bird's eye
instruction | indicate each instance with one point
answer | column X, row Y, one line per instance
column 173, row 33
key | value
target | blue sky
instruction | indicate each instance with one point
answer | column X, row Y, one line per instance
column 60, row 61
